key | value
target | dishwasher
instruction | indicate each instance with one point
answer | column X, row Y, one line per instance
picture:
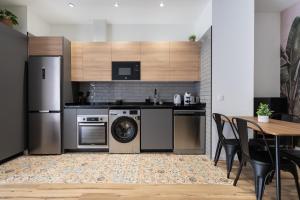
column 189, row 132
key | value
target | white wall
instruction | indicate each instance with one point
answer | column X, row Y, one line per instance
column 204, row 21
column 36, row 25
column 267, row 55
column 148, row 32
column 232, row 59
column 74, row 32
column 125, row 32
column 96, row 31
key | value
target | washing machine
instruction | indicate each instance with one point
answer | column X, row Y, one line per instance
column 124, row 131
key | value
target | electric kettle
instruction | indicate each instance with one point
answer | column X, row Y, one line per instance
column 177, row 99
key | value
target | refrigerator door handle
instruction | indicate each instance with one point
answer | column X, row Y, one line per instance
column 44, row 111
column 43, row 73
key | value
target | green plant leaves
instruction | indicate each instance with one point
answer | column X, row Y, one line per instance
column 263, row 110
column 6, row 14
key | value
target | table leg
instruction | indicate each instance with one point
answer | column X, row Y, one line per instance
column 277, row 163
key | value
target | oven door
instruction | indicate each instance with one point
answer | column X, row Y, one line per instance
column 92, row 135
column 126, row 71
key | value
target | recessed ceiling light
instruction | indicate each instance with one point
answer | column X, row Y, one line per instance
column 161, row 4
column 116, row 4
column 71, row 5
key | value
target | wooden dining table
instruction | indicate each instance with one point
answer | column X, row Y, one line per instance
column 277, row 128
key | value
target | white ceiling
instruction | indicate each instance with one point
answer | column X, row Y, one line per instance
column 273, row 5
column 128, row 12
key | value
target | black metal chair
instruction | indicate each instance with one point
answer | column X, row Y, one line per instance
column 231, row 146
column 262, row 162
column 286, row 117
column 289, row 141
column 291, row 154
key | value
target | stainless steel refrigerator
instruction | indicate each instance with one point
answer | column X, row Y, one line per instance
column 45, row 104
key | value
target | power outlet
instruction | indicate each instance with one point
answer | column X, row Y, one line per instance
column 220, row 98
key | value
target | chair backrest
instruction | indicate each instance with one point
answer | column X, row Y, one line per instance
column 290, row 118
column 287, row 142
column 286, row 117
column 242, row 127
column 242, row 130
column 290, row 142
column 219, row 119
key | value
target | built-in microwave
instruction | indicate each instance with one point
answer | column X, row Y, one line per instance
column 127, row 70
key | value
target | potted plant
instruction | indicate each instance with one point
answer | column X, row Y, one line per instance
column 263, row 112
column 8, row 18
column 192, row 38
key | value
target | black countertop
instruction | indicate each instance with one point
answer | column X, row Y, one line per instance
column 134, row 105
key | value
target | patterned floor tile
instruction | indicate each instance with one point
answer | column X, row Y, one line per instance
column 160, row 168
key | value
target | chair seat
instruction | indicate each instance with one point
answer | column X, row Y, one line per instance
column 260, row 157
column 284, row 142
column 258, row 143
column 263, row 158
column 234, row 142
column 293, row 155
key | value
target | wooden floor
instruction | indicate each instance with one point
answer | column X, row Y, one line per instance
column 244, row 190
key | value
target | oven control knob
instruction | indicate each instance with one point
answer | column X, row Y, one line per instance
column 100, row 119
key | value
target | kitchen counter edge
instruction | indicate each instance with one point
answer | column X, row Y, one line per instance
column 165, row 106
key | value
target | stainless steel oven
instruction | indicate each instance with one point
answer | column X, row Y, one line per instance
column 92, row 131
column 126, row 70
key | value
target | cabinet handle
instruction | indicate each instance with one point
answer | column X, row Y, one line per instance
column 44, row 111
column 91, row 124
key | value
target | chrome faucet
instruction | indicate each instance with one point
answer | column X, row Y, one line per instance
column 92, row 97
column 155, row 96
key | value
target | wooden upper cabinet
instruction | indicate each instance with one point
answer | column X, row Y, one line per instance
column 160, row 61
column 77, row 61
column 126, row 51
column 96, row 61
column 185, row 61
column 155, row 61
column 45, row 46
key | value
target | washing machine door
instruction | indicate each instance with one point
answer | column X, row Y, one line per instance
column 124, row 129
